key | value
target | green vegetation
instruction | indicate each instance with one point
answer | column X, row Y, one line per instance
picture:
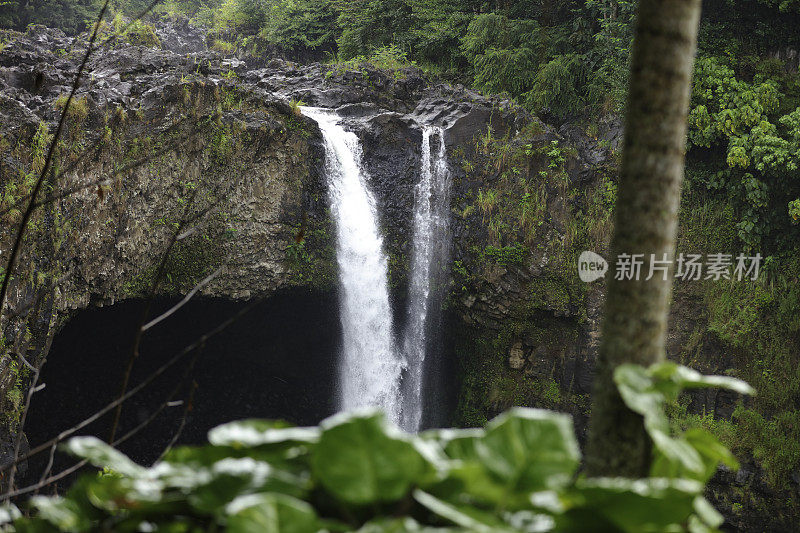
column 78, row 108
column 295, row 105
column 137, row 33
column 311, row 256
column 519, row 364
column 32, row 152
column 71, row 16
column 553, row 58
column 188, row 262
column 506, row 255
column 757, row 323
column 514, row 210
column 752, row 128
column 355, row 472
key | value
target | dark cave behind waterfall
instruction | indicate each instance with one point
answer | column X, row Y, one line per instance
column 276, row 361
column 279, row 360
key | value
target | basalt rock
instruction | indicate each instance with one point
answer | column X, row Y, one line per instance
column 157, row 155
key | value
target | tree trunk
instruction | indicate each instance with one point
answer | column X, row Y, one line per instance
column 646, row 223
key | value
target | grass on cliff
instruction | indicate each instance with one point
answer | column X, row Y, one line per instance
column 758, row 324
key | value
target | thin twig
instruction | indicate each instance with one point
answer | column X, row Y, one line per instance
column 32, row 389
column 49, row 466
column 183, row 302
column 45, row 480
column 187, row 407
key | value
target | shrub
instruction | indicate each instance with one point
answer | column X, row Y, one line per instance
column 223, row 46
column 142, row 33
column 390, row 58
column 136, row 33
column 295, row 106
column 503, row 52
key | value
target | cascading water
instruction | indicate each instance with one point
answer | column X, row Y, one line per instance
column 429, row 253
column 371, row 366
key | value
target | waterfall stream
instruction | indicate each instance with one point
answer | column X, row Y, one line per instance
column 429, row 252
column 371, row 366
column 374, row 371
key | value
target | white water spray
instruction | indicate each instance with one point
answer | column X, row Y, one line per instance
column 371, row 366
column 430, row 238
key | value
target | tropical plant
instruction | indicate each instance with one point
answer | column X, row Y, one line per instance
column 356, row 472
column 760, row 143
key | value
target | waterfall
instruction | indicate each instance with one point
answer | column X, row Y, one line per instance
column 373, row 371
column 371, row 366
column 429, row 253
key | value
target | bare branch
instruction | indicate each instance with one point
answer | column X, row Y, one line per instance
column 183, row 302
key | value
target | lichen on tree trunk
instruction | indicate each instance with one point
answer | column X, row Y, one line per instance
column 646, row 223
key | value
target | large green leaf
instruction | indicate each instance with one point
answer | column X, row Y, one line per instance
column 187, row 466
column 672, row 378
column 115, row 492
column 467, row 476
column 102, row 455
column 34, row 525
column 361, row 459
column 270, row 513
column 631, row 506
column 8, row 513
column 710, row 451
column 231, row 478
column 646, row 392
column 252, row 433
column 64, row 513
column 530, row 449
column 458, row 444
column 201, row 457
column 706, row 517
column 402, row 525
column 515, row 476
column 465, row 516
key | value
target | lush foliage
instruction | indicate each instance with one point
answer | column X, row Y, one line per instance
column 748, row 123
column 70, row 15
column 283, row 25
column 357, row 472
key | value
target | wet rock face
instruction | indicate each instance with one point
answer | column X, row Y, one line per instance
column 154, row 130
column 132, row 96
column 391, row 144
column 327, row 86
column 157, row 152
column 464, row 114
column 180, row 37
